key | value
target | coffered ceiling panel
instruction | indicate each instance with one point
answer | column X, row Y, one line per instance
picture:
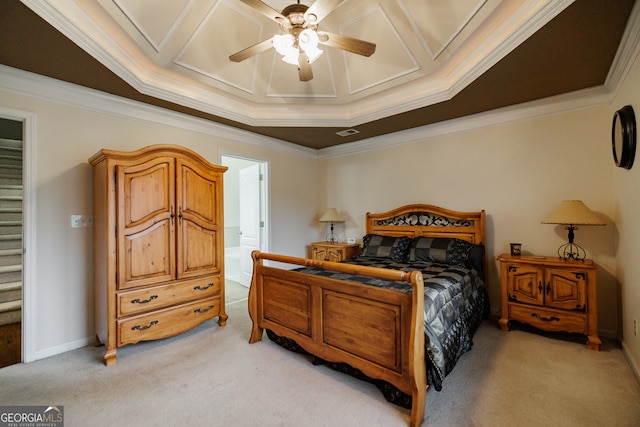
column 360, row 72
column 198, row 54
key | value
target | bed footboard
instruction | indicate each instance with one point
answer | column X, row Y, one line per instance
column 378, row 331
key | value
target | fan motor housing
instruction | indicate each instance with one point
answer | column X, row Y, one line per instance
column 295, row 13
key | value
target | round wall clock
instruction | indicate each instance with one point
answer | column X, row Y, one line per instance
column 623, row 137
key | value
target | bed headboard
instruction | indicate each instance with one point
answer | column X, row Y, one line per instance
column 431, row 221
column 427, row 220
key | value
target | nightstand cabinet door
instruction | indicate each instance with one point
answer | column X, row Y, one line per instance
column 525, row 284
column 334, row 252
column 566, row 290
column 319, row 253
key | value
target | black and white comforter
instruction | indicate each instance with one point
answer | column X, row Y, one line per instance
column 455, row 302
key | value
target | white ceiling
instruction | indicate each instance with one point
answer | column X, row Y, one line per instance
column 177, row 50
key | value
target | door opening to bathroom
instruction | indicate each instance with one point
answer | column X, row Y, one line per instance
column 245, row 219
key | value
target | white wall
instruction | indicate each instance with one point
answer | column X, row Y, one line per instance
column 517, row 173
column 68, row 134
column 626, row 184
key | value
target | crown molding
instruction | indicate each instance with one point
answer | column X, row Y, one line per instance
column 628, row 51
column 561, row 104
column 34, row 85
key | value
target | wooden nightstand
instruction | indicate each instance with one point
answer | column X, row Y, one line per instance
column 336, row 252
column 550, row 294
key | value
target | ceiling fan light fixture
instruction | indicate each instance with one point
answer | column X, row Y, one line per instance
column 298, row 43
column 308, row 41
column 284, row 45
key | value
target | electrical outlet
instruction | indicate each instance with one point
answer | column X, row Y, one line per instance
column 81, row 221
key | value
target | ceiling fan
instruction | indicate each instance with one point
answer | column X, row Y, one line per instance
column 298, row 43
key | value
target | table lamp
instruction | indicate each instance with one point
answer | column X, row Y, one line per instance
column 571, row 213
column 332, row 216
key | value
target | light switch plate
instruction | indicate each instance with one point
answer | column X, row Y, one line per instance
column 81, row 221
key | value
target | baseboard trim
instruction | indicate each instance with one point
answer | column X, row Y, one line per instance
column 632, row 363
column 73, row 345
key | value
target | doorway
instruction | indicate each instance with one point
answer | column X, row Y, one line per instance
column 11, row 241
column 245, row 215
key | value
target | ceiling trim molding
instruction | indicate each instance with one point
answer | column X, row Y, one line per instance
column 34, row 85
column 518, row 20
column 627, row 53
column 560, row 104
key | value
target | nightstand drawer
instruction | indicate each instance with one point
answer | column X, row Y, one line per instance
column 548, row 319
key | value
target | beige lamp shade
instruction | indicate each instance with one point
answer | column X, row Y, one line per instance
column 573, row 212
column 331, row 215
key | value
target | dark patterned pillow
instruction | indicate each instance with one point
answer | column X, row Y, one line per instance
column 396, row 248
column 439, row 249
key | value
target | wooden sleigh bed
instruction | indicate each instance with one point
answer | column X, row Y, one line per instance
column 369, row 313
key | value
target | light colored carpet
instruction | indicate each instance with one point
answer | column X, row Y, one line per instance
column 211, row 376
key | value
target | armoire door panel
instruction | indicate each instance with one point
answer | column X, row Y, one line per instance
column 197, row 250
column 146, row 191
column 148, row 256
column 197, row 190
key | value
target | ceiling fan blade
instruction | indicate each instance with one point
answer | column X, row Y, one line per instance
column 304, row 69
column 265, row 9
column 349, row 44
column 321, row 8
column 251, row 50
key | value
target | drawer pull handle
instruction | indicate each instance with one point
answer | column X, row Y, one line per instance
column 545, row 319
column 200, row 288
column 202, row 310
column 139, row 301
column 142, row 328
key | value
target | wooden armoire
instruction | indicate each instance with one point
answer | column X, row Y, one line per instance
column 158, row 244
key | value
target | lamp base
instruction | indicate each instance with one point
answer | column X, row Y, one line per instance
column 332, row 237
column 572, row 251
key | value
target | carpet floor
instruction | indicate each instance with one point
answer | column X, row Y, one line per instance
column 211, row 376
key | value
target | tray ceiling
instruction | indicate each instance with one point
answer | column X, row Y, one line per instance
column 428, row 52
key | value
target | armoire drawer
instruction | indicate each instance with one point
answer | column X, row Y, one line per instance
column 166, row 322
column 155, row 297
column 549, row 319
